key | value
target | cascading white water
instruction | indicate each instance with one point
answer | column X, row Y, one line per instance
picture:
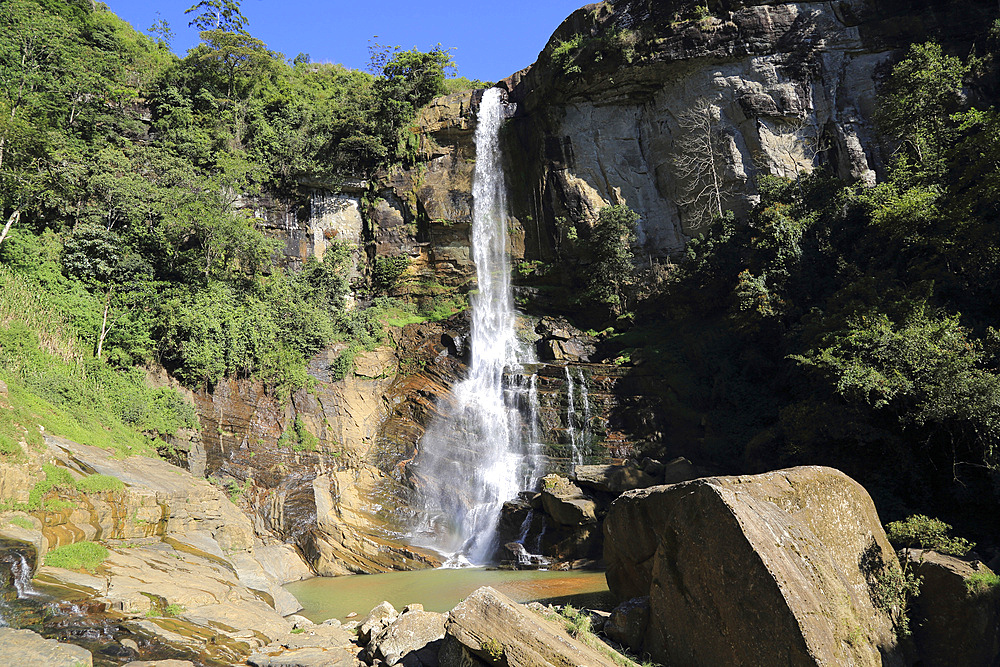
column 475, row 456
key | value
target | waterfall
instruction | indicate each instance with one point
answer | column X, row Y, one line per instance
column 20, row 571
column 575, row 457
column 476, row 456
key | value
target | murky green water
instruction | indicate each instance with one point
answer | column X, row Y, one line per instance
column 440, row 590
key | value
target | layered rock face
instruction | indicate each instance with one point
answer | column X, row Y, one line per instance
column 755, row 570
column 627, row 97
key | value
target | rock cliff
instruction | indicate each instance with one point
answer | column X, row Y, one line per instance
column 676, row 110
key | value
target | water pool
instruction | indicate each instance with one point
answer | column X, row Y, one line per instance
column 440, row 590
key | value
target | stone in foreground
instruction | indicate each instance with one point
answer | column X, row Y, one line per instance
column 495, row 630
column 24, row 647
column 754, row 570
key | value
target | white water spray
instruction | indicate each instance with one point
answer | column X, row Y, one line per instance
column 476, row 457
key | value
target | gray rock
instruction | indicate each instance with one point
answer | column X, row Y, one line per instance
column 410, row 633
column 24, row 647
column 379, row 617
column 678, row 470
column 305, row 657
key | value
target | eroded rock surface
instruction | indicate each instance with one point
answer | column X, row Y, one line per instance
column 754, row 570
column 24, row 647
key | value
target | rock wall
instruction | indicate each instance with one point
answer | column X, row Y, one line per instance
column 624, row 93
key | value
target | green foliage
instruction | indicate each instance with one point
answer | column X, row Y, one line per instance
column 493, row 648
column 922, row 532
column 387, row 271
column 21, row 522
column 99, row 484
column 982, row 584
column 578, row 623
column 564, row 53
column 77, row 556
column 173, row 610
column 612, row 269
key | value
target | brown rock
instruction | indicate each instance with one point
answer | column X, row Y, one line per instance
column 952, row 626
column 754, row 570
column 628, row 622
column 496, row 630
column 614, row 479
column 566, row 503
column 24, row 647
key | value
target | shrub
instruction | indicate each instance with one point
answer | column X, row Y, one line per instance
column 77, row 556
column 387, row 271
column 99, row 484
column 922, row 532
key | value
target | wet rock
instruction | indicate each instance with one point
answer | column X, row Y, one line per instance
column 523, row 559
column 951, row 624
column 24, row 647
column 160, row 663
column 566, row 503
column 411, row 633
column 627, row 623
column 496, row 630
column 803, row 544
column 614, row 479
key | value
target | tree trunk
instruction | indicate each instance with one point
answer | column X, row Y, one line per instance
column 14, row 217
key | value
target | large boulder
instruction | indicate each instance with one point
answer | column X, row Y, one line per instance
column 24, row 647
column 413, row 638
column 566, row 503
column 614, row 479
column 755, row 570
column 953, row 622
column 493, row 629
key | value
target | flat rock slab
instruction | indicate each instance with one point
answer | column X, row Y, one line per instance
column 754, row 570
column 305, row 657
column 499, row 631
column 24, row 647
column 409, row 633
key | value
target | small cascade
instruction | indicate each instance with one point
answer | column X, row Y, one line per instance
column 576, row 458
column 585, row 399
column 20, row 570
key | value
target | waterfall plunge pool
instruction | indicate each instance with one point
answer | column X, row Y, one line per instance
column 440, row 590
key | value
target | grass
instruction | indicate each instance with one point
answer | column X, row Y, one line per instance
column 981, row 584
column 578, row 624
column 77, row 556
column 55, row 383
column 99, row 484
column 21, row 522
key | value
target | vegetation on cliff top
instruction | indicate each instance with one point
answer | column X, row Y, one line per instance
column 124, row 239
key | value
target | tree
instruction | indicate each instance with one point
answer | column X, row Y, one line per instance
column 222, row 15
column 924, row 89
column 612, row 269
column 699, row 164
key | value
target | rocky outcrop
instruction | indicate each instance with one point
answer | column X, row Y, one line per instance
column 954, row 621
column 805, row 546
column 491, row 628
column 24, row 647
column 625, row 93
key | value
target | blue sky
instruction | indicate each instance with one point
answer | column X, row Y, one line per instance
column 492, row 39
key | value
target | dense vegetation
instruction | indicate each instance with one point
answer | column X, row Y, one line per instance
column 123, row 176
column 857, row 326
